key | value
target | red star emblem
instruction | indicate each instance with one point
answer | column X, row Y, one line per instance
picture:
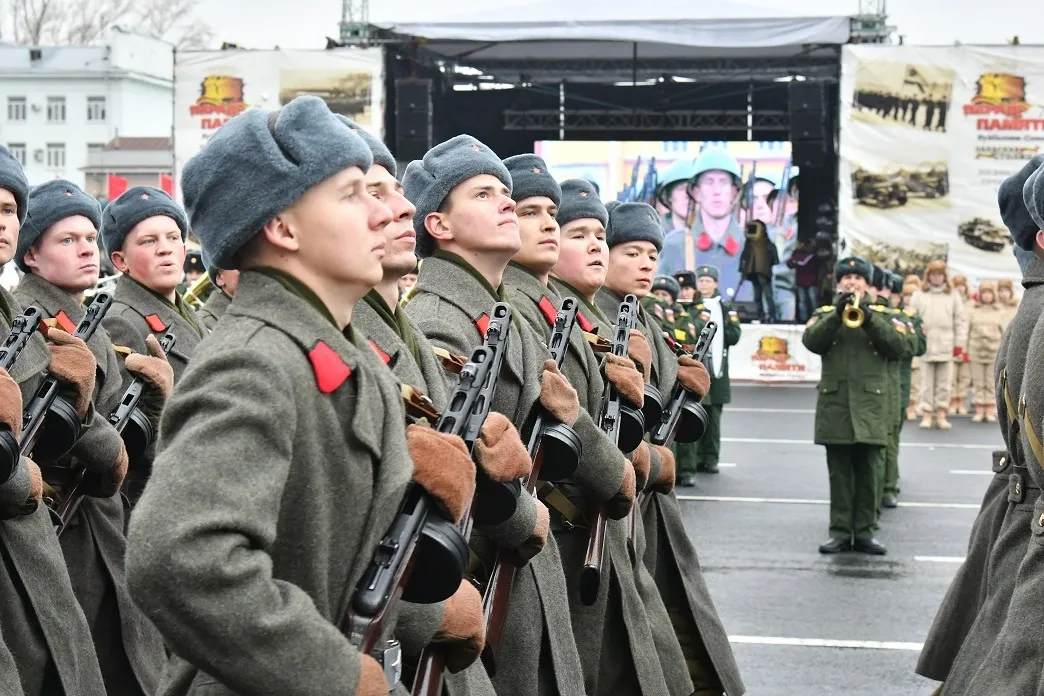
column 476, row 148
column 583, row 194
column 536, row 170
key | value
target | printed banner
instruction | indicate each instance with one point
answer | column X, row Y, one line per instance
column 927, row 136
column 772, row 353
column 210, row 87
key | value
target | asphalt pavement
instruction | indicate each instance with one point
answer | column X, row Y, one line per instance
column 802, row 623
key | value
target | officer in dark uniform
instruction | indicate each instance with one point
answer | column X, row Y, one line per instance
column 687, row 282
column 853, row 409
column 194, row 270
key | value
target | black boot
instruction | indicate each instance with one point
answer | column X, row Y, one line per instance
column 889, row 501
column 710, row 468
column 870, row 546
column 687, row 481
column 836, row 546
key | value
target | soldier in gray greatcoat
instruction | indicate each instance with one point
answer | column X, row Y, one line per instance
column 1002, row 651
column 634, row 241
column 981, row 589
column 283, row 455
column 467, row 233
column 58, row 250
column 402, row 346
column 47, row 646
column 225, row 282
column 579, row 272
column 143, row 232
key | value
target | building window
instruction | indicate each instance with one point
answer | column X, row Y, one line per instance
column 16, row 108
column 56, row 155
column 56, row 109
column 17, row 151
column 95, row 108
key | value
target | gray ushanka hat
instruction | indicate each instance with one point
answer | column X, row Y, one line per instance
column 530, row 178
column 634, row 222
column 133, row 206
column 48, row 203
column 580, row 201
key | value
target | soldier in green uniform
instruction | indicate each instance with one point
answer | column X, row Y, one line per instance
column 854, row 409
column 878, row 291
column 711, row 307
column 194, row 270
column 662, row 303
column 687, row 284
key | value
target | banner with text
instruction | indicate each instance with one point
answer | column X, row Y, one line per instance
column 927, row 136
column 210, row 87
column 773, row 353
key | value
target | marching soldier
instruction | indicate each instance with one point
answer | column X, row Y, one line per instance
column 284, row 456
column 973, row 612
column 220, row 298
column 918, row 344
column 580, row 272
column 713, row 308
column 635, row 240
column 467, row 232
column 662, row 303
column 144, row 232
column 46, row 645
column 853, row 412
column 58, row 250
column 405, row 350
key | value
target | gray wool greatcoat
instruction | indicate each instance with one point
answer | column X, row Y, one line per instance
column 984, row 596
column 129, row 648
column 1015, row 662
column 669, row 553
column 137, row 312
column 282, row 462
column 213, row 309
column 417, row 623
column 448, row 300
column 614, row 632
column 42, row 624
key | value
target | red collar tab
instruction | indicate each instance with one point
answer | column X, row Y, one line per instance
column 732, row 247
column 482, row 324
column 585, row 323
column 704, row 242
column 155, row 323
column 330, row 370
column 547, row 308
column 65, row 323
column 380, row 353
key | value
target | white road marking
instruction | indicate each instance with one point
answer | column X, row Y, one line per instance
column 745, row 409
column 939, row 559
column 972, row 472
column 809, row 501
column 923, row 445
column 727, row 465
column 827, row 643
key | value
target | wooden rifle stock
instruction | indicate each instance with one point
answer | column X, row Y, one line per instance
column 498, row 592
column 432, row 662
column 609, row 421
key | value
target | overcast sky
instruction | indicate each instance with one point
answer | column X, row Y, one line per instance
column 305, row 23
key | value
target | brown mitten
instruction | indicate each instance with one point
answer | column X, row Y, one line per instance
column 557, row 395
column 500, row 451
column 442, row 467
column 10, row 403
column 107, row 483
column 535, row 543
column 624, row 375
column 158, row 375
column 639, row 351
column 36, row 485
column 641, row 463
column 462, row 632
column 664, row 483
column 693, row 376
column 620, row 504
column 372, row 681
column 73, row 363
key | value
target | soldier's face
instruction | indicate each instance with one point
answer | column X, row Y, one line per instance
column 539, row 233
column 480, row 217
column 66, row 255
column 153, row 254
column 400, row 239
column 708, row 286
column 717, row 191
column 688, row 294
column 407, row 282
column 632, row 267
column 663, row 296
column 193, row 276
column 228, row 281
column 680, row 200
column 762, row 210
column 583, row 258
column 9, row 226
column 852, row 282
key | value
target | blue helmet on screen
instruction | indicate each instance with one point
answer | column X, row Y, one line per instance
column 681, row 170
column 717, row 158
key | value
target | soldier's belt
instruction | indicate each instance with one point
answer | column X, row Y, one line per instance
column 1021, row 485
column 1009, row 403
column 1026, row 423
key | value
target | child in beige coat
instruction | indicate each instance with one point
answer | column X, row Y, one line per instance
column 986, row 321
column 961, row 364
column 945, row 325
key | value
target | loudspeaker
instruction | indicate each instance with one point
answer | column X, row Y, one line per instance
column 807, row 117
column 808, row 153
column 413, row 118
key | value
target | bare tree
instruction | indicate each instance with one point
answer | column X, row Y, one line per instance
column 174, row 21
column 34, row 19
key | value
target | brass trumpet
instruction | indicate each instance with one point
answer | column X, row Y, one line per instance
column 199, row 291
column 852, row 315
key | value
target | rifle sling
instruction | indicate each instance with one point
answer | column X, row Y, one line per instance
column 572, row 516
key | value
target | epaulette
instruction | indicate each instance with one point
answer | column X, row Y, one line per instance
column 699, row 306
column 909, row 312
column 877, row 308
column 826, row 308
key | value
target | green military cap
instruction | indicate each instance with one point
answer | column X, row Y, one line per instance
column 686, row 279
column 856, row 265
column 878, row 278
column 707, row 272
column 667, row 283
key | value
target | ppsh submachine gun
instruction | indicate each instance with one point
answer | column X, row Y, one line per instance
column 418, row 535
column 685, row 420
column 555, row 450
column 624, row 424
column 22, row 329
